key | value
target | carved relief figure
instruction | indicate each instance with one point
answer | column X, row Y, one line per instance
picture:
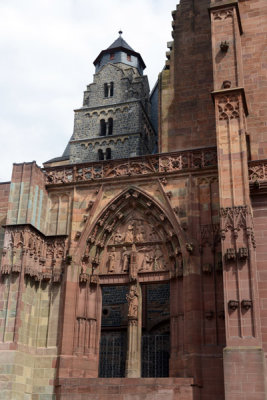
column 132, row 299
column 129, row 237
column 158, row 259
column 125, row 259
column 141, row 234
column 146, row 263
column 112, row 260
column 152, row 235
column 118, row 238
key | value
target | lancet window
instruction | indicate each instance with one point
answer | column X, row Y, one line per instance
column 103, row 127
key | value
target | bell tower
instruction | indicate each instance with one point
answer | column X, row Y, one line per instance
column 114, row 120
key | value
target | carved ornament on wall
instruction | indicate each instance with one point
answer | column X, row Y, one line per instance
column 42, row 257
column 228, row 107
column 147, row 165
column 234, row 219
column 128, row 240
column 223, row 14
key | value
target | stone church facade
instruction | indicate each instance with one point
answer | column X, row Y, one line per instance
column 134, row 266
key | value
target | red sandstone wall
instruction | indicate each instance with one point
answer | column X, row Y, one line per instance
column 260, row 222
column 187, row 116
column 254, row 51
column 4, row 194
column 126, row 389
column 28, row 197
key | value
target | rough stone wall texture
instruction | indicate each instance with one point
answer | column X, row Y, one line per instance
column 129, row 109
column 122, row 146
column 126, row 120
column 128, row 85
column 186, row 115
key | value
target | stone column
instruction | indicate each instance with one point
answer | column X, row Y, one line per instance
column 133, row 358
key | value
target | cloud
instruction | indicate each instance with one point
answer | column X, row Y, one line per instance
column 47, row 48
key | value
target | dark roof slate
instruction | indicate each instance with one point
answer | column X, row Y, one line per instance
column 120, row 42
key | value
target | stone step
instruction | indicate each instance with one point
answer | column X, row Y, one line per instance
column 127, row 389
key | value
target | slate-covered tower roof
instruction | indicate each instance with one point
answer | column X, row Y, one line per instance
column 120, row 52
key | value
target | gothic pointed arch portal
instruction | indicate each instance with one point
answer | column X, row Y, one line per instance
column 133, row 236
column 131, row 250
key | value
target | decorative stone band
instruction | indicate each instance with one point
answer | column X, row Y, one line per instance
column 257, row 171
column 28, row 251
column 136, row 166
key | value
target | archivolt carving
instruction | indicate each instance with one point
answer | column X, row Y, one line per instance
column 42, row 257
column 128, row 240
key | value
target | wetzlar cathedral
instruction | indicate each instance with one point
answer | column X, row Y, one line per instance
column 134, row 266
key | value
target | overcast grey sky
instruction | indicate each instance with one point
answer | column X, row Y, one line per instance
column 47, row 48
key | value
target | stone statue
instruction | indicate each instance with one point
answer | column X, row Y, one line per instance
column 125, row 259
column 152, row 235
column 129, row 237
column 141, row 235
column 112, row 260
column 158, row 259
column 146, row 263
column 132, row 299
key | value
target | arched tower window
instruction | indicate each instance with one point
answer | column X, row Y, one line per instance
column 111, row 89
column 108, row 154
column 100, row 154
column 108, row 89
column 110, row 126
column 105, row 89
column 103, row 127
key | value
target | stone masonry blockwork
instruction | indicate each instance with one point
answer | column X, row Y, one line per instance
column 131, row 275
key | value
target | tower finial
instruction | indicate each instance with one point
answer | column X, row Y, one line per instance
column 120, row 33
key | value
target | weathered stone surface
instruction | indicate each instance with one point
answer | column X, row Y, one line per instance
column 191, row 220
